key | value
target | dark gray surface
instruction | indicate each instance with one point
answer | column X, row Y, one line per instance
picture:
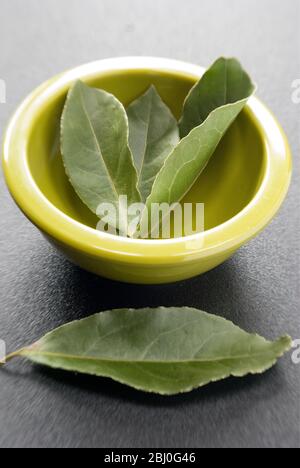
column 258, row 289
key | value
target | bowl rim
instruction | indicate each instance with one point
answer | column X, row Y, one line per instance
column 63, row 229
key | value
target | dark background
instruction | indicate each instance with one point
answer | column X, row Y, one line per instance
column 258, row 289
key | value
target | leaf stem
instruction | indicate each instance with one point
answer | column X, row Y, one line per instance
column 11, row 356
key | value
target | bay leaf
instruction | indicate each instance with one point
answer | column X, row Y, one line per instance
column 153, row 133
column 225, row 82
column 164, row 350
column 95, row 150
column 210, row 109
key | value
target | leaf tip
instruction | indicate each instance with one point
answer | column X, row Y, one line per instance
column 285, row 344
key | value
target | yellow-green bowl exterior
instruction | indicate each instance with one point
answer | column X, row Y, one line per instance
column 242, row 188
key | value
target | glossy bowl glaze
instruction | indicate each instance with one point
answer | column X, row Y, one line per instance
column 242, row 188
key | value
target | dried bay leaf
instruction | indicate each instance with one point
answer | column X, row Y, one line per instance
column 210, row 109
column 96, row 155
column 163, row 350
column 153, row 134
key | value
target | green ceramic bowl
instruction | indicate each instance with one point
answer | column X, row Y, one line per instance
column 242, row 188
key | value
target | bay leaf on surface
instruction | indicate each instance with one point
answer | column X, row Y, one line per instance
column 163, row 350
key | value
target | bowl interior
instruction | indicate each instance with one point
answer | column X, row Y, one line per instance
column 226, row 186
